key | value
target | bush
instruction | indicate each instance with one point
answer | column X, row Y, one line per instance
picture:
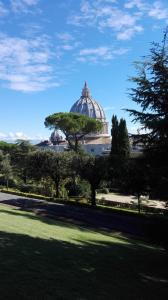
column 82, row 188
column 103, row 191
column 27, row 195
column 36, row 189
column 12, row 183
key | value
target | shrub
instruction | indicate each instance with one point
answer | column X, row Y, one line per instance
column 103, row 191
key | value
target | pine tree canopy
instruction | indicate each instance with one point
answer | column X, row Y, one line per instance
column 151, row 93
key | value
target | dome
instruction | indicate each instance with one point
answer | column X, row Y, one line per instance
column 55, row 138
column 88, row 106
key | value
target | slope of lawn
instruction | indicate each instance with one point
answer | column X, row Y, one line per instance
column 45, row 259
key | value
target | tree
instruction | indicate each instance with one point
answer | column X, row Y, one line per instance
column 114, row 134
column 120, row 151
column 151, row 94
column 123, row 140
column 6, row 169
column 138, row 178
column 93, row 169
column 120, row 141
column 19, row 158
column 74, row 126
column 43, row 164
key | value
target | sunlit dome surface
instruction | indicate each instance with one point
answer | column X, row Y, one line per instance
column 88, row 106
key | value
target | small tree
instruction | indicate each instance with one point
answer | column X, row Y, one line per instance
column 74, row 126
column 93, row 169
column 20, row 158
column 43, row 164
column 138, row 178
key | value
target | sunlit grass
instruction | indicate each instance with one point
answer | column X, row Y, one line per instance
column 42, row 258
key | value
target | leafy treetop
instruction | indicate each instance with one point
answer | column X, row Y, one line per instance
column 74, row 126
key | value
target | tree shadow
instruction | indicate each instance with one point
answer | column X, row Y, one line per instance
column 34, row 268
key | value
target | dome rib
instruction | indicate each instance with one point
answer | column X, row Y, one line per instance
column 86, row 105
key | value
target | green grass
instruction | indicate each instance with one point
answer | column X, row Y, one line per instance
column 45, row 259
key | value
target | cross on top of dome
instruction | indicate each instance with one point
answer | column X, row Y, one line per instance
column 86, row 91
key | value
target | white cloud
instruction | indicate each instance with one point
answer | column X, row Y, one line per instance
column 25, row 63
column 3, row 9
column 127, row 34
column 65, row 37
column 13, row 136
column 66, row 42
column 3, row 135
column 135, row 3
column 158, row 11
column 22, row 5
column 99, row 54
column 104, row 15
column 124, row 19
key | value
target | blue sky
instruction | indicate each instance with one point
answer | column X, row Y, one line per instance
column 48, row 48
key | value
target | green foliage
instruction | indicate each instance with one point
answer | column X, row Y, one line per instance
column 7, row 148
column 93, row 169
column 114, row 134
column 6, row 168
column 120, row 152
column 120, row 141
column 56, row 166
column 79, row 188
column 138, row 178
column 151, row 94
column 74, row 126
column 27, row 195
column 123, row 139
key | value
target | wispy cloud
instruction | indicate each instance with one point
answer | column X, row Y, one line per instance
column 25, row 63
column 3, row 10
column 19, row 135
column 13, row 136
column 22, row 5
column 99, row 54
column 66, row 42
column 141, row 5
column 65, row 37
column 158, row 11
column 124, row 20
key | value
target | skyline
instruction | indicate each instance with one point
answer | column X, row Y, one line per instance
column 48, row 50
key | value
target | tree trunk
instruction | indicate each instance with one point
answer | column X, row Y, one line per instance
column 139, row 203
column 93, row 196
column 7, row 183
column 76, row 144
column 57, row 189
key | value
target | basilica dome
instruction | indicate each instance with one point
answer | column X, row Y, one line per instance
column 86, row 105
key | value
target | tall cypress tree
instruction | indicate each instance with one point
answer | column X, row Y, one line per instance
column 114, row 134
column 119, row 153
column 123, row 140
column 120, row 140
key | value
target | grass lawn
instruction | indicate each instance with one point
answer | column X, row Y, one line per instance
column 45, row 259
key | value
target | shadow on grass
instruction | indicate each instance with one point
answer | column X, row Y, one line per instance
column 33, row 268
